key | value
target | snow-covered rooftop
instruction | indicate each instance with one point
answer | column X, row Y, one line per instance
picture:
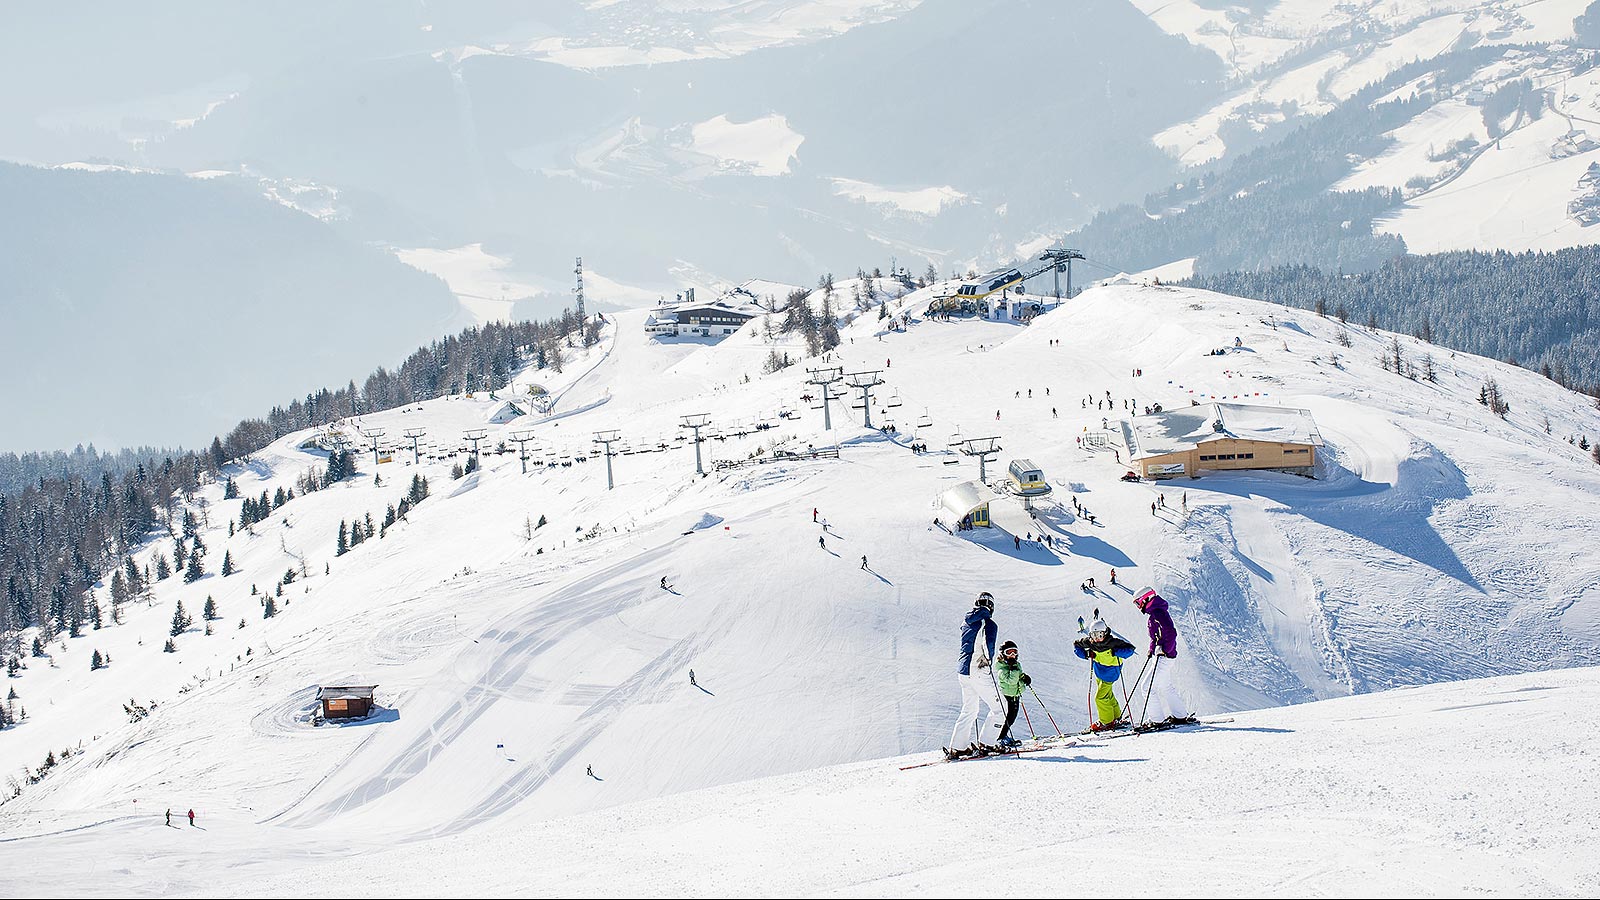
column 1188, row 428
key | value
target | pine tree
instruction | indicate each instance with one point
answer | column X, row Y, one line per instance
column 171, row 646
column 95, row 662
column 179, row 555
column 196, row 569
column 180, row 620
column 343, row 546
column 227, row 563
column 1594, row 453
column 209, row 613
column 231, row 492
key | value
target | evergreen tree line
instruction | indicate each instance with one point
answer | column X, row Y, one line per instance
column 1539, row 310
column 61, row 535
column 62, row 529
column 17, row 471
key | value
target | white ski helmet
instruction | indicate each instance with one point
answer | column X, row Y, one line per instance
column 1099, row 629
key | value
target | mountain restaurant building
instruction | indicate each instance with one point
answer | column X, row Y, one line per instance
column 1222, row 436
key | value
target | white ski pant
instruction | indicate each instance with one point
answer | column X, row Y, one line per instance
column 1163, row 696
column 976, row 687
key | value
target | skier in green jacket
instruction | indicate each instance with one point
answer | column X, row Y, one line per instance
column 1008, row 669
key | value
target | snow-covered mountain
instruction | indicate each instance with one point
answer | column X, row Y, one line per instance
column 518, row 633
column 1478, row 171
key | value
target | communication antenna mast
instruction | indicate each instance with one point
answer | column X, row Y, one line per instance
column 373, row 434
column 982, row 448
column 414, row 434
column 578, row 290
column 474, row 435
column 522, row 438
column 608, row 438
column 696, row 421
column 824, row 378
column 865, row 382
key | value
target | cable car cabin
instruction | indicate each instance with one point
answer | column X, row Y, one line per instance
column 1027, row 479
column 992, row 283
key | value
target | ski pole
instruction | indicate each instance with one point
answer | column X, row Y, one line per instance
column 1046, row 710
column 997, row 695
column 1135, row 689
column 1025, row 718
column 1147, row 688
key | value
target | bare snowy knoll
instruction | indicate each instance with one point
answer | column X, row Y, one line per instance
column 519, row 634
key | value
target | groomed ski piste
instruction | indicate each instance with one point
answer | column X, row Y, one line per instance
column 1438, row 543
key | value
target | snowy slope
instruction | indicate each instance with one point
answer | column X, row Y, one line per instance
column 1421, row 792
column 1439, row 543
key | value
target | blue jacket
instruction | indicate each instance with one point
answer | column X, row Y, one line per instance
column 978, row 618
column 1104, row 656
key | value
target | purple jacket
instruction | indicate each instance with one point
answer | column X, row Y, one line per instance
column 1162, row 631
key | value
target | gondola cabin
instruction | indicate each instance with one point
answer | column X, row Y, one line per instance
column 1027, row 479
column 991, row 283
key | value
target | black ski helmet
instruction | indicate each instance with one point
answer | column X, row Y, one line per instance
column 986, row 600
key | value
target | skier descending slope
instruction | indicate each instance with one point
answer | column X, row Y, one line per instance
column 978, row 626
column 1162, row 705
column 1105, row 652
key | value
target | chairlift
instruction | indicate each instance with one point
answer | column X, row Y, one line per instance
column 924, row 421
column 894, row 399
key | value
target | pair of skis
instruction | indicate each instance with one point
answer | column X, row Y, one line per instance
column 1063, row 741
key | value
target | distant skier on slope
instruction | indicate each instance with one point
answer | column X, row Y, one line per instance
column 1162, row 704
column 1008, row 670
column 1105, row 653
column 978, row 633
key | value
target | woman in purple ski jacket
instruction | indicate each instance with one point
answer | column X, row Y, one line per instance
column 1162, row 632
column 1162, row 704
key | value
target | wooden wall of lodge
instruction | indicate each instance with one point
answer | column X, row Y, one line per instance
column 1267, row 455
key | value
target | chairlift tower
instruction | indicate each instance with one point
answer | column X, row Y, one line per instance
column 474, row 435
column 414, row 434
column 608, row 438
column 696, row 422
column 373, row 434
column 982, row 448
column 522, row 438
column 1061, row 258
column 865, row 382
column 824, row 378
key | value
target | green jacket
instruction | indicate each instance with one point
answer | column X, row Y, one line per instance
column 1010, row 675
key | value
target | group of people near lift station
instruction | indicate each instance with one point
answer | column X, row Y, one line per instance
column 997, row 680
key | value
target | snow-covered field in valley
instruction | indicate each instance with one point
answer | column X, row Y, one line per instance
column 519, row 634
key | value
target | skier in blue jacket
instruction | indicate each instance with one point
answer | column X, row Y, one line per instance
column 978, row 633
